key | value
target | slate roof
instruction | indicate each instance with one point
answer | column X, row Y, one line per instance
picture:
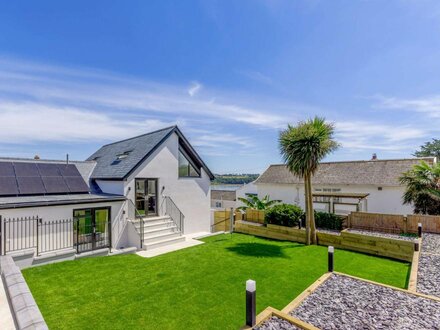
column 225, row 195
column 138, row 149
column 370, row 172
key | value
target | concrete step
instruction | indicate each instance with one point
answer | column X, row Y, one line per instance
column 148, row 232
column 164, row 242
column 160, row 237
column 155, row 221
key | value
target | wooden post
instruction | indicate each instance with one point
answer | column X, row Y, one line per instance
column 231, row 220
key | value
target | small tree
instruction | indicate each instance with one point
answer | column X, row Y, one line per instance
column 253, row 202
column 429, row 149
column 303, row 146
column 422, row 188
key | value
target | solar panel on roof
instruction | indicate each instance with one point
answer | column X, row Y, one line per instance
column 26, row 169
column 6, row 169
column 8, row 186
column 55, row 185
column 76, row 184
column 48, row 169
column 30, row 185
column 68, row 170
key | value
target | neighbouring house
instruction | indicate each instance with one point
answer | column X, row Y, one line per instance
column 143, row 192
column 222, row 199
column 245, row 191
column 342, row 187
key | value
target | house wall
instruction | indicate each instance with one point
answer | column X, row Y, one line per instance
column 191, row 195
column 61, row 212
column 387, row 200
column 111, row 186
column 225, row 204
column 249, row 188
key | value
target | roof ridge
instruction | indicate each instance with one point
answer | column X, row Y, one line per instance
column 367, row 161
column 23, row 159
column 138, row 136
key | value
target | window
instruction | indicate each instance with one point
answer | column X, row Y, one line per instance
column 186, row 166
column 218, row 204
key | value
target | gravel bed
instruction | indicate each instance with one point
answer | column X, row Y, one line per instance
column 329, row 231
column 345, row 303
column 428, row 277
column 379, row 234
column 431, row 243
column 275, row 323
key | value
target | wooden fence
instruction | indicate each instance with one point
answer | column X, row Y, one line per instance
column 255, row 215
column 222, row 220
column 393, row 223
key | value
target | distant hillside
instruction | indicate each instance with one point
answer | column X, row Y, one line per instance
column 234, row 178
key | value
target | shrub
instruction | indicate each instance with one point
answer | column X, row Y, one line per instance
column 284, row 215
column 326, row 220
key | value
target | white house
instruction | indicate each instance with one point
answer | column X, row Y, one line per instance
column 345, row 186
column 145, row 192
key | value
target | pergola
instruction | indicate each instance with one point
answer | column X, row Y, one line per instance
column 332, row 199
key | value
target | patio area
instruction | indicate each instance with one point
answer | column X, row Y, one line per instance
column 198, row 287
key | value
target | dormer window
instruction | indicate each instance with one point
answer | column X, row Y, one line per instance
column 187, row 168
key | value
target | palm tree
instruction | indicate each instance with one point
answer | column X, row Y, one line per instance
column 302, row 147
column 253, row 202
column 422, row 188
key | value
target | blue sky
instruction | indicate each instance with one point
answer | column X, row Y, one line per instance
column 231, row 74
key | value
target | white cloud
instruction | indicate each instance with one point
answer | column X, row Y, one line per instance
column 257, row 76
column 194, row 89
column 367, row 135
column 429, row 105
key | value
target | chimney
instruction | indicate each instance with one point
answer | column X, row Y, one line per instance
column 374, row 156
column 36, row 157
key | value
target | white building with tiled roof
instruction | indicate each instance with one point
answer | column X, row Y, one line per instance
column 376, row 179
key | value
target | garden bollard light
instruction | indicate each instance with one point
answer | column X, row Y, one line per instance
column 416, row 244
column 251, row 306
column 419, row 230
column 331, row 251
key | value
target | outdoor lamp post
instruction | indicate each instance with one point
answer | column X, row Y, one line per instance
column 251, row 305
column 331, row 251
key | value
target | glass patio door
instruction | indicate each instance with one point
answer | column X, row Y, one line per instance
column 92, row 229
column 146, row 196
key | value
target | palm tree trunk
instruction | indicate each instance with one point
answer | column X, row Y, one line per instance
column 312, row 213
column 307, row 206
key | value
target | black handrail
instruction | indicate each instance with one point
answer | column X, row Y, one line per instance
column 174, row 213
column 141, row 221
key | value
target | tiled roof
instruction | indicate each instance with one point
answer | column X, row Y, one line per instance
column 137, row 149
column 225, row 195
column 371, row 172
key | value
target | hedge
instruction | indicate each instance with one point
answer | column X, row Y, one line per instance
column 284, row 215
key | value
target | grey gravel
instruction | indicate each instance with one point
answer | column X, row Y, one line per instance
column 431, row 243
column 380, row 234
column 345, row 303
column 428, row 276
column 275, row 323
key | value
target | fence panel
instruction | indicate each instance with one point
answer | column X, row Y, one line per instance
column 221, row 221
column 55, row 235
column 430, row 223
column 389, row 223
column 19, row 234
column 255, row 215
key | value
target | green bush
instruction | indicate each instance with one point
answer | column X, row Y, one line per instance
column 326, row 220
column 284, row 215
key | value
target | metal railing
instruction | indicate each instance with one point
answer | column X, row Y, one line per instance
column 174, row 213
column 54, row 235
column 119, row 224
column 45, row 236
column 133, row 213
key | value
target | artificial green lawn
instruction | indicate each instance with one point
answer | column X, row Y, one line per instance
column 196, row 288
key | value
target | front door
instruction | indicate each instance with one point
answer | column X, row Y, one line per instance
column 146, row 196
column 92, row 228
